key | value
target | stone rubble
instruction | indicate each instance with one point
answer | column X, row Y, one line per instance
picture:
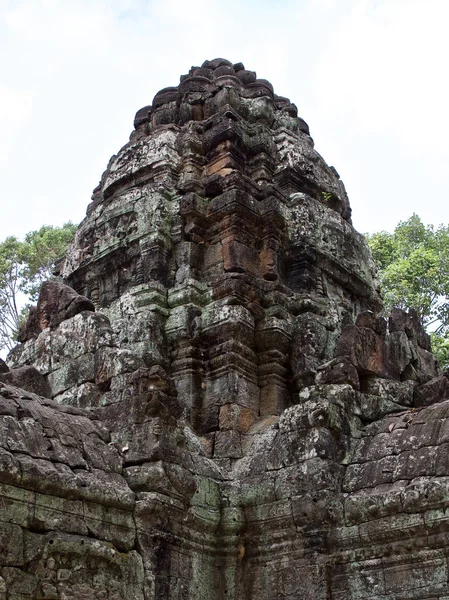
column 208, row 404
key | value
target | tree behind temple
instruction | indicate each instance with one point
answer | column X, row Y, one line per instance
column 24, row 265
column 413, row 266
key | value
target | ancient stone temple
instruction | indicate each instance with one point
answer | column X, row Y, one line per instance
column 207, row 405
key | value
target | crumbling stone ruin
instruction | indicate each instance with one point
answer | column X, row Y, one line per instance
column 210, row 406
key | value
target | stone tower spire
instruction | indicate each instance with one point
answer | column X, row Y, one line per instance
column 219, row 240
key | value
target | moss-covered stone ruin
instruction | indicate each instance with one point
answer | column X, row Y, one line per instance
column 207, row 405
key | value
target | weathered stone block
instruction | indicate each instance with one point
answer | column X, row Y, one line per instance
column 235, row 417
column 28, row 378
column 272, row 400
column 401, row 353
column 110, row 524
column 373, row 407
column 228, row 444
column 11, row 545
column 239, row 258
column 435, row 390
column 338, row 371
column 399, row 392
column 56, row 303
column 370, row 320
column 59, row 514
column 427, row 367
column 80, row 370
column 18, row 583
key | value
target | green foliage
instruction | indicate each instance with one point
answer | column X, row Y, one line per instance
column 24, row 265
column 41, row 249
column 10, row 273
column 413, row 266
column 440, row 347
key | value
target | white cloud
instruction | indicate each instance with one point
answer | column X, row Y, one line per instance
column 368, row 76
column 385, row 70
column 15, row 113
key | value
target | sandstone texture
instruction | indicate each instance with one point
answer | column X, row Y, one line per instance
column 207, row 404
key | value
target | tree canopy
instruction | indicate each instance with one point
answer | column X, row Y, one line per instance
column 24, row 265
column 413, row 266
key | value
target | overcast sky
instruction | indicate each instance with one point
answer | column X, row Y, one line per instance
column 369, row 76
